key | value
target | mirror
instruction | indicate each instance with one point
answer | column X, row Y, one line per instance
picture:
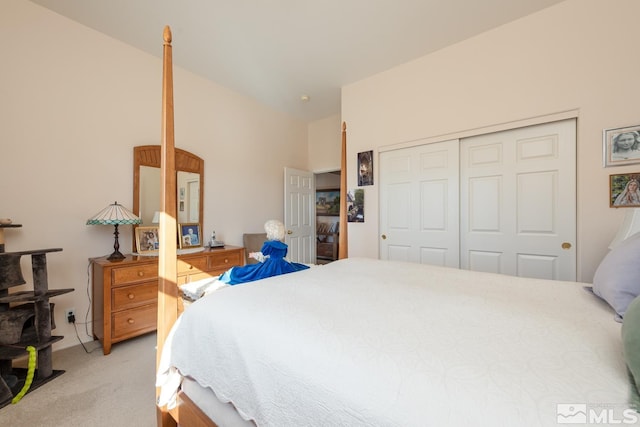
column 147, row 191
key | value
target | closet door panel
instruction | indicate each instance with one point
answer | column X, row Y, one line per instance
column 538, row 266
column 419, row 204
column 399, row 253
column 433, row 256
column 399, row 207
column 536, row 211
column 484, row 204
column 433, row 211
column 530, row 220
column 486, row 261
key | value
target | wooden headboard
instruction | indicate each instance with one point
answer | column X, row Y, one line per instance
column 167, row 253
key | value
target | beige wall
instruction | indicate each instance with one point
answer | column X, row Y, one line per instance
column 325, row 144
column 579, row 55
column 74, row 103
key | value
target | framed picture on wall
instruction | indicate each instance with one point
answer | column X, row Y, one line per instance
column 147, row 239
column 365, row 168
column 355, row 205
column 621, row 146
column 328, row 202
column 624, row 190
column 190, row 235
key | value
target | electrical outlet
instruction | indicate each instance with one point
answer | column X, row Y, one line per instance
column 70, row 314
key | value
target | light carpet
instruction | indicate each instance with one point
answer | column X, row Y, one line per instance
column 96, row 390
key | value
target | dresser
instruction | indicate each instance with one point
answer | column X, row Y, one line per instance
column 125, row 293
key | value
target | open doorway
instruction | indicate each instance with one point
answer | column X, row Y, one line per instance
column 327, row 216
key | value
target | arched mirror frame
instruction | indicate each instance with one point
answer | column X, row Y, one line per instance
column 149, row 155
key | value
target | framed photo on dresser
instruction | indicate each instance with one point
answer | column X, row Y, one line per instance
column 147, row 239
column 190, row 235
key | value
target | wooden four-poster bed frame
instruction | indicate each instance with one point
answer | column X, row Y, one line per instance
column 363, row 341
column 187, row 413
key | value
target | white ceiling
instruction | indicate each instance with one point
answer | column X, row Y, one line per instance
column 277, row 51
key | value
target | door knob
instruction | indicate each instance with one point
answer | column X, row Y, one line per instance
column 289, row 232
column 566, row 245
column 384, row 237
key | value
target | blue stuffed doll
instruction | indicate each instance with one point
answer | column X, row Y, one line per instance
column 271, row 257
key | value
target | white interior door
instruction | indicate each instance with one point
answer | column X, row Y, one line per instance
column 518, row 202
column 299, row 215
column 419, row 204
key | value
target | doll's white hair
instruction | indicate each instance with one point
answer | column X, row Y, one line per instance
column 274, row 229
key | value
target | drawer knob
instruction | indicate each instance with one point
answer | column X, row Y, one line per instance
column 130, row 321
column 226, row 261
column 140, row 273
column 131, row 296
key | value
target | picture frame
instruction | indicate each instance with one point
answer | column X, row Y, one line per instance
column 190, row 235
column 355, row 205
column 328, row 202
column 365, row 168
column 624, row 190
column 621, row 146
column 147, row 240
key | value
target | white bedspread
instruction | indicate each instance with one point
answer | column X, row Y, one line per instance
column 362, row 342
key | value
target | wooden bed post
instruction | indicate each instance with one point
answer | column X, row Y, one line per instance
column 343, row 239
column 167, row 270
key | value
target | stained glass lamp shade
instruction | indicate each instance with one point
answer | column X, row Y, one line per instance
column 114, row 214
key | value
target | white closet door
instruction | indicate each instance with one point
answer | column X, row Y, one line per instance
column 518, row 202
column 419, row 206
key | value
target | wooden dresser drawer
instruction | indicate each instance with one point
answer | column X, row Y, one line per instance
column 134, row 273
column 192, row 265
column 125, row 293
column 124, row 297
column 225, row 260
column 133, row 322
column 198, row 276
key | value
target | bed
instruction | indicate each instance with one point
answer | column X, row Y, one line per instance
column 399, row 344
column 363, row 342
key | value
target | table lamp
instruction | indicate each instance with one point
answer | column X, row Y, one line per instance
column 115, row 214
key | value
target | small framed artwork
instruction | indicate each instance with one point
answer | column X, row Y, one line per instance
column 365, row 168
column 355, row 205
column 624, row 190
column 190, row 236
column 147, row 239
column 328, row 202
column 621, row 146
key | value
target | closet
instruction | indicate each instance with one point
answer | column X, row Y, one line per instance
column 502, row 202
